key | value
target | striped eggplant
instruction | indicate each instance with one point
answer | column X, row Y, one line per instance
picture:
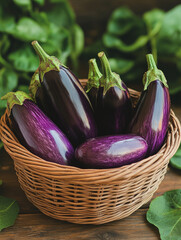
column 152, row 112
column 92, row 85
column 36, row 131
column 114, row 106
column 60, row 95
column 111, row 151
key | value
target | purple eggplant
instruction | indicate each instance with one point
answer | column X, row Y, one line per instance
column 92, row 85
column 152, row 112
column 36, row 131
column 111, row 151
column 60, row 95
column 114, row 106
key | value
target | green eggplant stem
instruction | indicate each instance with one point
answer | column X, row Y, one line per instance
column 106, row 69
column 151, row 62
column 109, row 78
column 39, row 50
column 153, row 73
column 93, row 69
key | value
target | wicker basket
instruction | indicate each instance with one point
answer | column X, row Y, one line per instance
column 89, row 196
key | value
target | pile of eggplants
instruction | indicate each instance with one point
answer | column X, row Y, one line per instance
column 95, row 127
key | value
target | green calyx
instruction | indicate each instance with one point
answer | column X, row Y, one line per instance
column 94, row 75
column 15, row 98
column 34, row 84
column 109, row 78
column 47, row 63
column 153, row 73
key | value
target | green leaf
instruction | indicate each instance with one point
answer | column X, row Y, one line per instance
column 8, row 82
column 1, row 145
column 153, row 20
column 24, row 59
column 61, row 14
column 58, row 43
column 7, row 24
column 170, row 32
column 176, row 160
column 165, row 213
column 24, row 4
column 121, row 21
column 1, row 182
column 28, row 30
column 121, row 65
column 4, row 44
column 174, row 86
column 9, row 210
column 40, row 2
column 113, row 42
column 77, row 39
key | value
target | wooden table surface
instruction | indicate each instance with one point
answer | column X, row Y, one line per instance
column 32, row 224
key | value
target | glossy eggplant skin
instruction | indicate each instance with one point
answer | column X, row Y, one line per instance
column 39, row 134
column 111, row 151
column 63, row 99
column 92, row 95
column 151, row 117
column 114, row 110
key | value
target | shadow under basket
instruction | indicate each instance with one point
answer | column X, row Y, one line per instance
column 89, row 196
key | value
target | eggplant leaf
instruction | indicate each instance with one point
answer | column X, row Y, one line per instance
column 61, row 14
column 24, row 59
column 170, row 33
column 24, row 4
column 40, row 2
column 9, row 210
column 176, row 160
column 8, row 82
column 121, row 21
column 121, row 66
column 165, row 213
column 1, row 182
column 28, row 30
column 77, row 38
column 153, row 20
column 113, row 42
column 1, row 145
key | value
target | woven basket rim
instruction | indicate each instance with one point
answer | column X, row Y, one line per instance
column 20, row 154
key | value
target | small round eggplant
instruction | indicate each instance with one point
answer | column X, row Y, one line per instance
column 36, row 131
column 60, row 95
column 114, row 108
column 92, row 85
column 111, row 151
column 152, row 112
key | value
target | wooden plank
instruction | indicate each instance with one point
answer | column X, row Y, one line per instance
column 38, row 226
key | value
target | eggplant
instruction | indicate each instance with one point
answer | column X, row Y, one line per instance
column 111, row 151
column 151, row 117
column 59, row 94
column 92, row 85
column 35, row 131
column 114, row 107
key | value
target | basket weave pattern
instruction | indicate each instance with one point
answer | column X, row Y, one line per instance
column 89, row 196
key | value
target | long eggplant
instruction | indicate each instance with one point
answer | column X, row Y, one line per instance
column 36, row 131
column 60, row 95
column 111, row 151
column 152, row 112
column 92, row 85
column 114, row 106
